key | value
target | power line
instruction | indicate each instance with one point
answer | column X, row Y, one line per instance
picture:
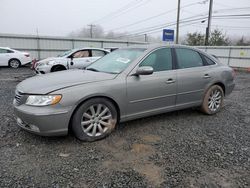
column 186, row 20
column 158, row 15
column 121, row 12
column 125, row 7
column 167, row 24
column 172, row 10
column 224, row 26
column 174, row 26
column 162, row 26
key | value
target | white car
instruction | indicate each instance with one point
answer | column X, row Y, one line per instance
column 76, row 58
column 13, row 58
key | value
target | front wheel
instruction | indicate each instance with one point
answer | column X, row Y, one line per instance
column 94, row 119
column 213, row 100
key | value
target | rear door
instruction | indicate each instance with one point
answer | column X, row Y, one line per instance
column 192, row 75
column 148, row 94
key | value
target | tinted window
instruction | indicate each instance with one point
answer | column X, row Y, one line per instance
column 2, row 51
column 98, row 53
column 209, row 61
column 188, row 58
column 160, row 60
column 9, row 51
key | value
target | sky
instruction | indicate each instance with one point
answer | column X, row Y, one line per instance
column 61, row 17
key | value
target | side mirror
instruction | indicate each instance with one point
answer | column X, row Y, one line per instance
column 145, row 70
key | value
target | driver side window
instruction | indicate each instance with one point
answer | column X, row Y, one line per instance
column 81, row 54
column 159, row 60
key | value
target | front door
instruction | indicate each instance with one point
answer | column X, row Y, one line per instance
column 149, row 94
column 80, row 59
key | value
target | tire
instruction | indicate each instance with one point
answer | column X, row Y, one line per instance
column 88, row 126
column 58, row 68
column 14, row 63
column 213, row 100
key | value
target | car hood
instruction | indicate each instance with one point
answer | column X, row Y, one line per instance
column 54, row 81
column 51, row 59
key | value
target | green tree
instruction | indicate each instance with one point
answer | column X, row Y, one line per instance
column 217, row 38
column 195, row 39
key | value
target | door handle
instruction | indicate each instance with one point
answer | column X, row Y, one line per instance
column 170, row 81
column 206, row 76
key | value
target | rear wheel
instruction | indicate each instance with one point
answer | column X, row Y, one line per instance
column 213, row 100
column 14, row 63
column 94, row 119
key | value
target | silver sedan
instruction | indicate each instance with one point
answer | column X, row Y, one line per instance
column 126, row 84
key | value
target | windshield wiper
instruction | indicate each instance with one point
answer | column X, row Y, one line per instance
column 92, row 69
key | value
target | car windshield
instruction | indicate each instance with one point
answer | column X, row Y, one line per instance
column 116, row 61
column 65, row 53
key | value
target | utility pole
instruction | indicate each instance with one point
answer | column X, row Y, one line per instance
column 209, row 22
column 91, row 30
column 178, row 22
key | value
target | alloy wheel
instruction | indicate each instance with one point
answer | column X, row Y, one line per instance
column 14, row 63
column 214, row 100
column 96, row 120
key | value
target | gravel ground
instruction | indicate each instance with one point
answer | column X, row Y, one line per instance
column 178, row 149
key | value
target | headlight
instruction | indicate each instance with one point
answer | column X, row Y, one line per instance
column 43, row 100
column 46, row 63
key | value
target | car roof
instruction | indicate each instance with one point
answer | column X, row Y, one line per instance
column 153, row 46
column 86, row 48
column 8, row 48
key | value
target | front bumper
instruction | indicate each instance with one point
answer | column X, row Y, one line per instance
column 44, row 121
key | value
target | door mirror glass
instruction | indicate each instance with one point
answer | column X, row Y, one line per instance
column 144, row 70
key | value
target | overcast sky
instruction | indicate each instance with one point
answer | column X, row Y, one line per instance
column 60, row 17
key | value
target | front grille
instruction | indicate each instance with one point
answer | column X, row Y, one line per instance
column 18, row 98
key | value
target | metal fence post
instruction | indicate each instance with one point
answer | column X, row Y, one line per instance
column 229, row 56
column 73, row 43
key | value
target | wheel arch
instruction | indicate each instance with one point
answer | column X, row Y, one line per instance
column 93, row 97
column 221, row 85
column 58, row 65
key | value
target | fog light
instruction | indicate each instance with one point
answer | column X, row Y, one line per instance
column 27, row 126
column 20, row 121
column 34, row 128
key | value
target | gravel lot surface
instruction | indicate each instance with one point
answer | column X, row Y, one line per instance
column 178, row 149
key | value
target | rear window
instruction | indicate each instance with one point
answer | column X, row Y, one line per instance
column 209, row 61
column 188, row 58
column 98, row 53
